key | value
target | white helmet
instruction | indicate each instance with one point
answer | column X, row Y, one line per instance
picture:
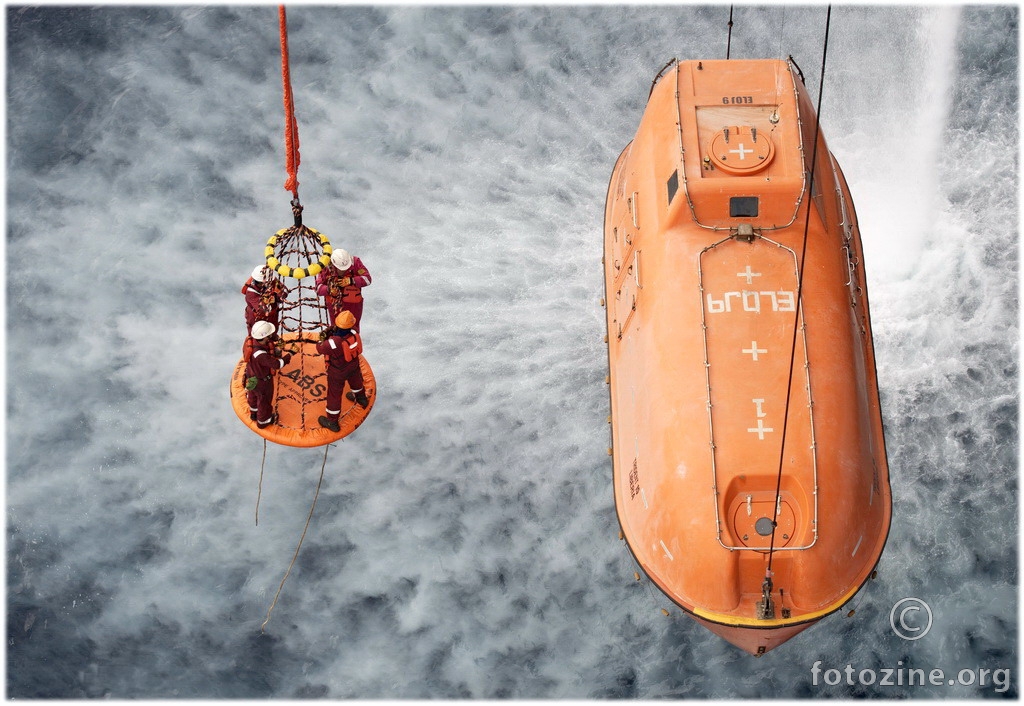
column 262, row 329
column 341, row 259
column 260, row 273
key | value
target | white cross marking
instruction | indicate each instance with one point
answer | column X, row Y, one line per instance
column 741, row 151
column 754, row 350
column 760, row 430
column 749, row 274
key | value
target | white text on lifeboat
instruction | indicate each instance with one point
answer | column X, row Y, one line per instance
column 747, row 300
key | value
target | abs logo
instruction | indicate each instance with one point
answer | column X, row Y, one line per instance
column 911, row 618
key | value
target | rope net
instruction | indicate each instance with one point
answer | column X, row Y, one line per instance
column 303, row 316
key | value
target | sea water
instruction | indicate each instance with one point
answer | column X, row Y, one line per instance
column 464, row 543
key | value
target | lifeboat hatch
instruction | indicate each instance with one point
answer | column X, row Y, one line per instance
column 741, row 150
column 751, row 524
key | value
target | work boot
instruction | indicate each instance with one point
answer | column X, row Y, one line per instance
column 359, row 398
column 273, row 420
column 329, row 423
column 252, row 416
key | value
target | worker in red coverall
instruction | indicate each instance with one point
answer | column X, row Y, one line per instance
column 341, row 347
column 262, row 298
column 259, row 373
column 341, row 285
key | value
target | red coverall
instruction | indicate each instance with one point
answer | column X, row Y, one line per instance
column 341, row 349
column 255, row 308
column 262, row 364
column 344, row 298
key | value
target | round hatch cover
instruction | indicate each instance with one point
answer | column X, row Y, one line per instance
column 763, row 526
column 741, row 150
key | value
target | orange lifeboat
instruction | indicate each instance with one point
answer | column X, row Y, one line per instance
column 749, row 465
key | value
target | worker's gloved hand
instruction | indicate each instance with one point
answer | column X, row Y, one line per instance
column 287, row 358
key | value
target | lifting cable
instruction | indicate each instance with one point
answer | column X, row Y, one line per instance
column 728, row 44
column 291, row 127
column 799, row 307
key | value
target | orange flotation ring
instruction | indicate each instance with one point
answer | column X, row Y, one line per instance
column 300, row 391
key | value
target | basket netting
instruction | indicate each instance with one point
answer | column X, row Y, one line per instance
column 303, row 316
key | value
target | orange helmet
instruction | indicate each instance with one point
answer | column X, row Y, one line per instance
column 345, row 319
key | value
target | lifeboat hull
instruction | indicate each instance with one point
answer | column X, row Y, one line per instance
column 756, row 642
column 749, row 467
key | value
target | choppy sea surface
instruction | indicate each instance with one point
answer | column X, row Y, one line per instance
column 464, row 544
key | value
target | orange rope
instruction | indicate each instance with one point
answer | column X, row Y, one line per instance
column 291, row 128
